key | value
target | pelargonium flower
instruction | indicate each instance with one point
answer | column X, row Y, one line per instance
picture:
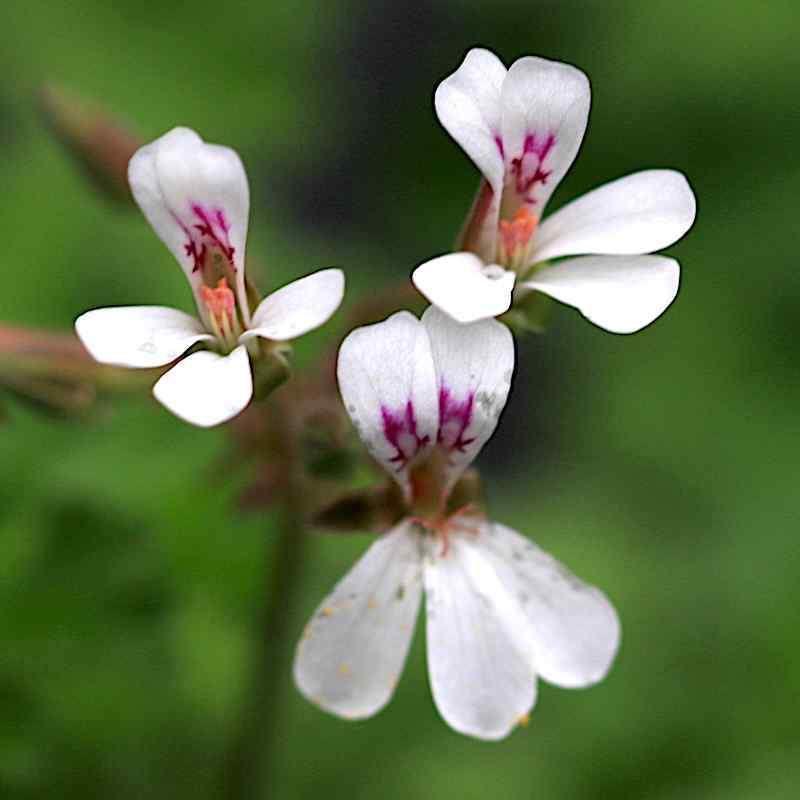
column 196, row 197
column 522, row 127
column 425, row 396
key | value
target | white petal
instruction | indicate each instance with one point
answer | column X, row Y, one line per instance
column 180, row 183
column 463, row 287
column 573, row 631
column 138, row 336
column 353, row 649
column 622, row 294
column 474, row 364
column 206, row 388
column 388, row 385
column 545, row 111
column 468, row 106
column 298, row 307
column 146, row 188
column 637, row 214
column 482, row 678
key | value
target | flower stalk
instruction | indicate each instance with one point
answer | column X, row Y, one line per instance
column 248, row 765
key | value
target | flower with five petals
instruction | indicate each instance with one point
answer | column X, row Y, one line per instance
column 425, row 396
column 196, row 197
column 522, row 127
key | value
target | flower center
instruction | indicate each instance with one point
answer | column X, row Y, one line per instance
column 428, row 480
column 430, row 476
column 466, row 519
column 515, row 237
column 220, row 305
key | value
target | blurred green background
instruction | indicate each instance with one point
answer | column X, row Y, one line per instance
column 662, row 466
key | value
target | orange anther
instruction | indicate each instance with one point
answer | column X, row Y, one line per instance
column 518, row 232
column 220, row 300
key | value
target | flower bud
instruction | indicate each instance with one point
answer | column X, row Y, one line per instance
column 54, row 374
column 372, row 509
column 100, row 144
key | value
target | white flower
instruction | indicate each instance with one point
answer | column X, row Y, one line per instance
column 425, row 396
column 196, row 197
column 522, row 128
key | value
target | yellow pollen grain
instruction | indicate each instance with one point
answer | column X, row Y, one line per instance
column 327, row 611
column 523, row 720
column 344, row 669
column 372, row 603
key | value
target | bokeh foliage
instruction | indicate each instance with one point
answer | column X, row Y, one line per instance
column 662, row 467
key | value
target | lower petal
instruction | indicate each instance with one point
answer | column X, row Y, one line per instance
column 138, row 336
column 353, row 649
column 206, row 388
column 621, row 294
column 572, row 630
column 482, row 678
column 464, row 287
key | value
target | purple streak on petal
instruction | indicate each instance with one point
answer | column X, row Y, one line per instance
column 210, row 232
column 454, row 419
column 499, row 142
column 400, row 430
column 528, row 169
column 219, row 215
column 541, row 148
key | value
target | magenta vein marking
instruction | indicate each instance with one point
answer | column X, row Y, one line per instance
column 525, row 177
column 400, row 430
column 211, row 231
column 454, row 419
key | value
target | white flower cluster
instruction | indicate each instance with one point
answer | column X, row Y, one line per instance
column 424, row 394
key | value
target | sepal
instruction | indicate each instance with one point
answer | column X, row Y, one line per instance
column 271, row 370
column 530, row 312
column 373, row 510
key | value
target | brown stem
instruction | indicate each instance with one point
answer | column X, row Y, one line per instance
column 248, row 766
